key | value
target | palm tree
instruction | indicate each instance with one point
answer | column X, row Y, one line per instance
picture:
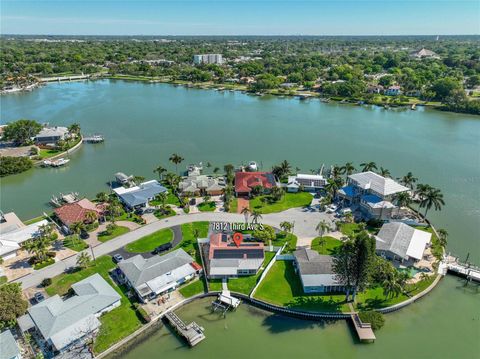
column 74, row 128
column 246, row 212
column 228, row 168
column 277, row 193
column 77, row 227
column 83, row 260
column 176, row 159
column 216, row 170
column 91, row 216
column 256, row 215
column 384, row 172
column 162, row 198
column 336, row 171
column 442, row 237
column 322, row 228
column 285, row 167
column 322, row 241
column 348, row 169
column 138, row 179
column 409, row 180
column 207, row 198
column 433, row 198
column 160, row 171
column 392, row 286
column 114, row 210
column 101, row 197
column 403, row 199
column 368, row 166
column 286, row 226
column 332, row 186
column 173, row 180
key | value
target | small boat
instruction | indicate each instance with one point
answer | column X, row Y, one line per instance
column 60, row 162
column 194, row 170
column 414, row 107
column 252, row 166
column 97, row 138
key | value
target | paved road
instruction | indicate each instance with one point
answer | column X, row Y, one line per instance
column 305, row 221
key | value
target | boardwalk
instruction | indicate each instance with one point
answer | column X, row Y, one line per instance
column 364, row 330
column 452, row 265
column 192, row 332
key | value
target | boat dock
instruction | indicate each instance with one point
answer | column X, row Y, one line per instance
column 452, row 265
column 192, row 332
column 94, row 139
column 225, row 301
column 364, row 330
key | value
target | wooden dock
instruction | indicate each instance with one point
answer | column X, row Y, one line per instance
column 364, row 330
column 452, row 265
column 192, row 332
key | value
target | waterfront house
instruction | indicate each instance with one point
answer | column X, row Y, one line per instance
column 371, row 193
column 315, row 271
column 246, row 181
column 139, row 196
column 202, row 185
column 77, row 211
column 229, row 260
column 8, row 346
column 394, row 90
column 375, row 89
column 400, row 242
column 157, row 275
column 310, row 183
column 51, row 135
column 62, row 322
column 13, row 233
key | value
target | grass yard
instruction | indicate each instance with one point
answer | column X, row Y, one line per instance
column 233, row 205
column 150, row 242
column 189, row 242
column 330, row 246
column 289, row 200
column 34, row 220
column 207, row 206
column 290, row 238
column 282, row 286
column 171, row 199
column 47, row 153
column 105, row 236
column 164, row 214
column 116, row 324
column 193, row 288
column 74, row 243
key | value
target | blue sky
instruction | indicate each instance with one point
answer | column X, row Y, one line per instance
column 224, row 17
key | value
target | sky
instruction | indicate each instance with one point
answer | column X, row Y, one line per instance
column 231, row 17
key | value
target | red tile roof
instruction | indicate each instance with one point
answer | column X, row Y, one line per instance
column 196, row 266
column 245, row 181
column 76, row 212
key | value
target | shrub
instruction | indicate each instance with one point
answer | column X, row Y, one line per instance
column 376, row 319
column 12, row 165
column 142, row 313
column 46, row 282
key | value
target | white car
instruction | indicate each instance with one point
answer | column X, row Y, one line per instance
column 331, row 208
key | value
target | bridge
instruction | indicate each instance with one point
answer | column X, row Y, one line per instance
column 453, row 265
column 192, row 332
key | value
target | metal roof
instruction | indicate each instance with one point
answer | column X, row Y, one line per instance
column 372, row 181
column 8, row 346
column 402, row 240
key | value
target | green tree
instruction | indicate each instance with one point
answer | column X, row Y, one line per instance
column 83, row 260
column 74, row 129
column 256, row 215
column 286, row 226
column 21, row 131
column 409, row 180
column 266, row 234
column 368, row 166
column 442, row 237
column 12, row 304
column 432, row 198
column 322, row 228
column 160, row 171
column 176, row 159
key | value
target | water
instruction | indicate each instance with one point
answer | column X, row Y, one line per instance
column 145, row 123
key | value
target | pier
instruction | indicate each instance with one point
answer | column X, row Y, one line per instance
column 192, row 332
column 364, row 330
column 94, row 139
column 451, row 264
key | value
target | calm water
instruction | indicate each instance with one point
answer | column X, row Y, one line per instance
column 145, row 123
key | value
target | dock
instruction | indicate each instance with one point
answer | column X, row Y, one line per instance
column 466, row 270
column 192, row 332
column 94, row 139
column 225, row 302
column 364, row 330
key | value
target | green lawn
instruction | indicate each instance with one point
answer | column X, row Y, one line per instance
column 193, row 288
column 34, row 220
column 47, row 153
column 290, row 238
column 171, row 199
column 116, row 324
column 74, row 243
column 105, row 236
column 282, row 286
column 233, row 205
column 348, row 229
column 289, row 200
column 207, row 206
column 189, row 242
column 330, row 246
column 150, row 242
column 164, row 214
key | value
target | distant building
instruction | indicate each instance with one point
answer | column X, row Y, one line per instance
column 398, row 241
column 375, row 89
column 77, row 212
column 227, row 260
column 310, row 183
column 8, row 346
column 393, row 91
column 51, row 135
column 62, row 322
column 246, row 181
column 316, row 272
column 139, row 196
column 208, row 59
column 371, row 193
column 159, row 274
column 424, row 53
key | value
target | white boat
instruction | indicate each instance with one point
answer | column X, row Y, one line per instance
column 60, row 162
column 252, row 166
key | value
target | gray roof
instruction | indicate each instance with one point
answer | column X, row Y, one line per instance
column 8, row 345
column 63, row 321
column 139, row 270
column 372, row 181
column 142, row 195
column 231, row 266
column 310, row 262
column 57, row 131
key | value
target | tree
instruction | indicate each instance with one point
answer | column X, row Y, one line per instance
column 376, row 319
column 91, row 216
column 392, row 285
column 160, row 171
column 384, row 172
column 83, row 260
column 442, row 237
column 286, row 226
column 74, row 129
column 403, row 199
column 348, row 169
column 432, row 198
column 332, row 186
column 282, row 170
column 39, row 246
column 266, row 234
column 176, row 159
column 409, row 180
column 138, row 179
column 77, row 227
column 277, row 194
column 323, row 227
column 445, row 87
column 12, row 304
column 22, row 131
column 246, row 212
column 368, row 166
column 10, row 165
column 256, row 215
column 101, row 197
column 162, row 198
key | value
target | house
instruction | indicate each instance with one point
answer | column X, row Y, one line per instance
column 201, row 185
column 208, row 59
column 77, row 211
column 375, row 89
column 159, row 274
column 227, row 260
column 62, row 322
column 13, row 233
column 8, row 346
column 371, row 193
column 398, row 241
column 315, row 271
column 309, row 183
column 424, row 53
column 51, row 135
column 246, row 181
column 394, row 90
column 139, row 196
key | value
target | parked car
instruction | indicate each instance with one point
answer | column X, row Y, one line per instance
column 117, row 258
column 193, row 202
column 39, row 297
column 149, row 210
column 331, row 208
column 84, row 235
column 162, row 248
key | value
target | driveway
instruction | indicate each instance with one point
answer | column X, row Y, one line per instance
column 304, row 219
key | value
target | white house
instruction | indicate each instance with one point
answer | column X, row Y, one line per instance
column 310, row 183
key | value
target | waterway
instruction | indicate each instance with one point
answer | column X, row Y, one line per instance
column 145, row 123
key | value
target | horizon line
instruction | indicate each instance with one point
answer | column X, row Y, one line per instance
column 233, row 35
